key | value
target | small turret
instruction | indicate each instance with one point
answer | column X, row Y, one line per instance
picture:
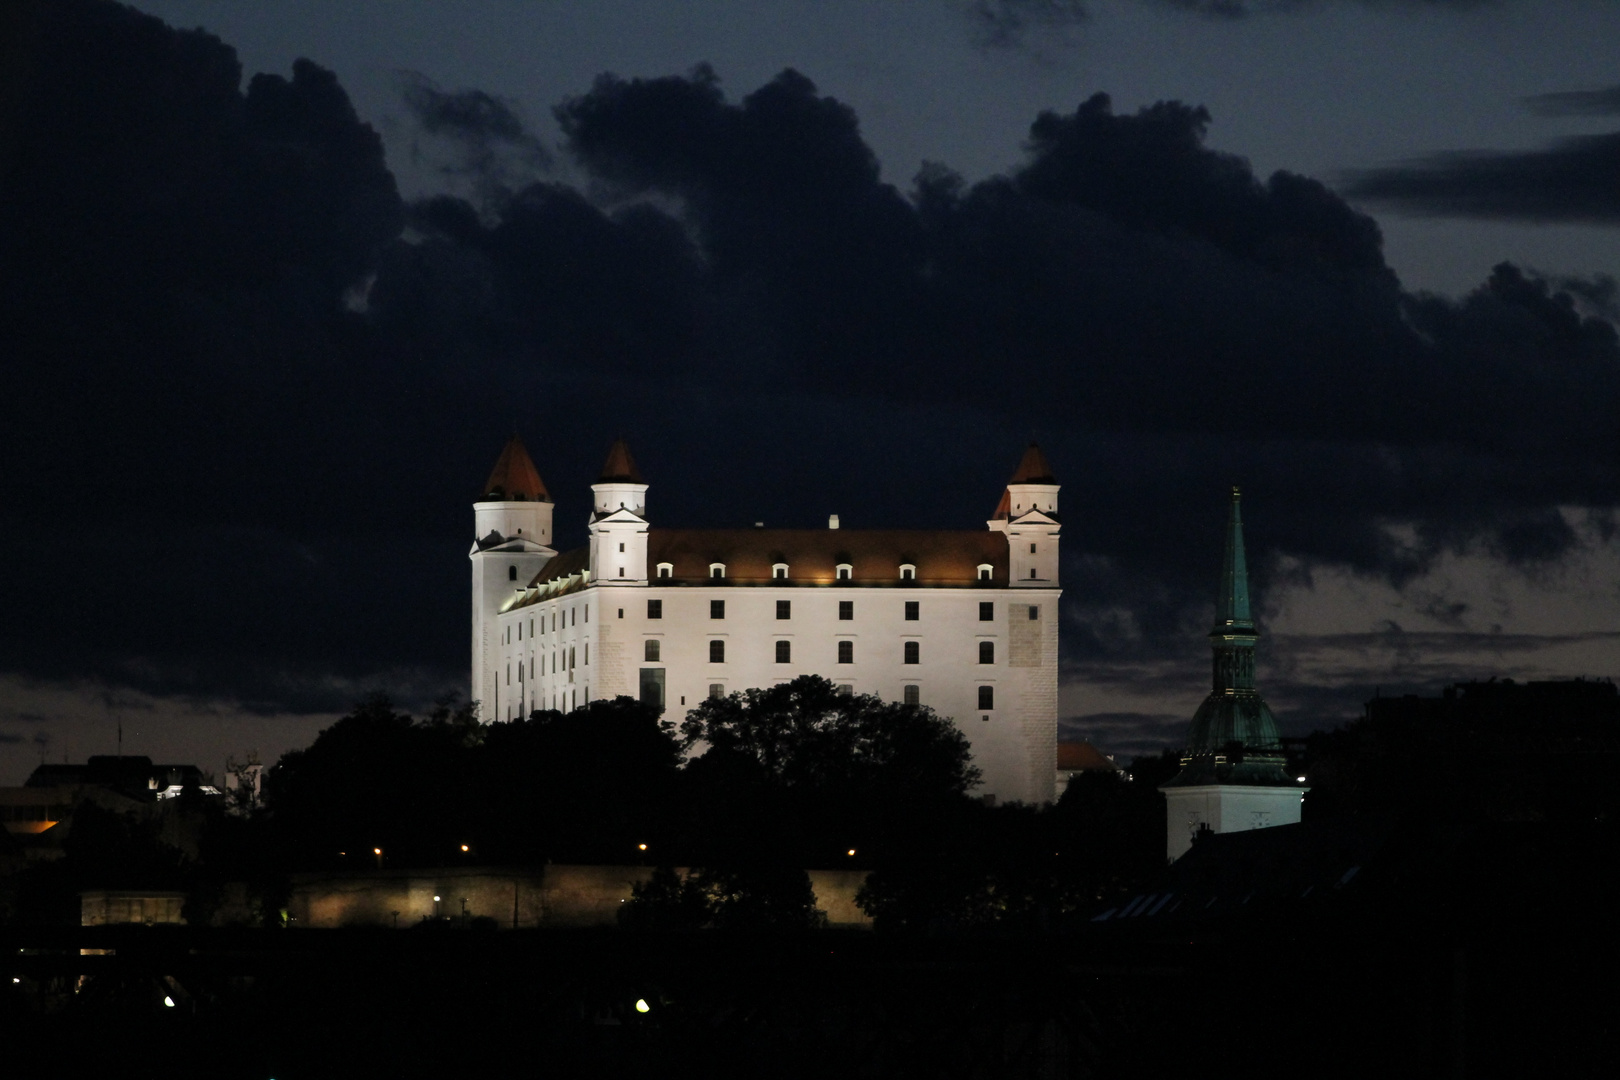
column 514, row 501
column 619, row 520
column 1028, row 514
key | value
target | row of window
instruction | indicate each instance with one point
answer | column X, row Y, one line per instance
column 846, row 610
column 779, row 571
column 911, row 651
column 561, row 660
column 652, row 691
column 570, row 617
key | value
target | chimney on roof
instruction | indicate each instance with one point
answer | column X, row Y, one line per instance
column 832, row 521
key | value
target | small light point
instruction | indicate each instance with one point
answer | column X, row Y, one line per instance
column 169, row 1001
column 642, row 1006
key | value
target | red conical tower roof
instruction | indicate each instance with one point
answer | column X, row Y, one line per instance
column 514, row 478
column 1032, row 469
column 620, row 467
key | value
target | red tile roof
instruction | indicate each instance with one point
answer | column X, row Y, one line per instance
column 1081, row 757
column 514, row 478
column 620, row 466
column 941, row 556
column 1033, row 469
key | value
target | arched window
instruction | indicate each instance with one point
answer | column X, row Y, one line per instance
column 908, row 572
column 511, row 573
column 651, row 649
column 717, row 570
column 845, row 571
column 987, row 652
column 779, row 571
column 717, row 652
column 987, row 697
column 985, row 570
column 666, row 570
column 784, row 652
column 846, row 652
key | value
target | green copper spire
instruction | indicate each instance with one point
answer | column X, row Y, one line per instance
column 1232, row 605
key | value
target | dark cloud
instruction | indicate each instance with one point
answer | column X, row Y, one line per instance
column 1573, row 180
column 486, row 139
column 232, row 481
column 1237, row 9
column 1605, row 102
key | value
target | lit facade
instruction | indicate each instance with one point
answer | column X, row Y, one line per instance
column 962, row 621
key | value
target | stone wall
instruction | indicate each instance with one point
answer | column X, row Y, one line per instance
column 549, row 896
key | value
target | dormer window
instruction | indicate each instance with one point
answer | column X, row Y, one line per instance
column 779, row 571
column 717, row 570
column 845, row 571
column 908, row 572
column 511, row 573
column 985, row 570
column 666, row 570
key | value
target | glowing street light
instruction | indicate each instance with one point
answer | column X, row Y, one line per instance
column 168, row 1001
column 641, row 847
column 642, row 1006
column 463, row 847
column 850, row 853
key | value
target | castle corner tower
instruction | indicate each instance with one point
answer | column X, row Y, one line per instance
column 1233, row 774
column 512, row 534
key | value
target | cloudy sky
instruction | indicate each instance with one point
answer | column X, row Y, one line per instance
column 273, row 293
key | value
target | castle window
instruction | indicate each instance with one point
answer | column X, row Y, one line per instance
column 1034, row 612
column 985, row 570
column 913, row 611
column 717, row 652
column 912, row 694
column 846, row 652
column 987, row 611
column 784, row 652
column 784, row 609
column 531, row 628
column 655, row 609
column 987, row 652
column 987, row 697
column 908, row 572
column 846, row 609
column 913, row 652
column 845, row 688
column 587, row 660
column 717, row 570
column 666, row 570
column 844, row 571
column 621, row 571
column 511, row 573
column 1032, row 573
column 621, row 547
column 779, row 571
column 520, row 630
column 587, row 613
column 717, row 609
column 717, row 690
column 1031, row 549
column 651, row 650
column 652, row 687
column 572, row 656
column 621, row 613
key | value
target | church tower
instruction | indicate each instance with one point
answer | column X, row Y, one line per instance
column 619, row 521
column 1233, row 774
column 511, row 543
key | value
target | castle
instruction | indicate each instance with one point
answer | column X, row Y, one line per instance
column 962, row 621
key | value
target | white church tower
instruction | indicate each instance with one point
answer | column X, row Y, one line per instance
column 1233, row 774
column 511, row 543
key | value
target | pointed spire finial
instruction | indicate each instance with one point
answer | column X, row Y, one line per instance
column 1232, row 605
column 620, row 466
column 514, row 477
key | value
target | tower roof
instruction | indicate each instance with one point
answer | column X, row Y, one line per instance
column 620, row 467
column 1032, row 468
column 514, row 477
column 1232, row 603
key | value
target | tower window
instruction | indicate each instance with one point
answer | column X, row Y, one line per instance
column 652, row 687
column 572, row 656
column 987, row 652
column 511, row 573
column 717, row 609
column 845, row 570
column 985, row 570
column 987, row 611
column 1032, row 573
column 784, row 652
column 717, row 690
column 651, row 650
column 621, row 613
column 1031, row 549
column 784, row 609
column 987, row 697
column 913, row 652
column 655, row 609
column 913, row 611
column 846, row 609
column 717, row 652
column 621, row 571
column 846, row 652
column 911, row 694
column 621, row 547
column 1034, row 612
column 520, row 631
column 846, row 689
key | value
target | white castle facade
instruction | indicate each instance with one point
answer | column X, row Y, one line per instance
column 963, row 621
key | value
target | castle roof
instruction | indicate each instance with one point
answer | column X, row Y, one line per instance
column 620, row 467
column 1032, row 469
column 1082, row 757
column 514, row 477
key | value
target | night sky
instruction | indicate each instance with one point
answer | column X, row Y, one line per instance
column 274, row 292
